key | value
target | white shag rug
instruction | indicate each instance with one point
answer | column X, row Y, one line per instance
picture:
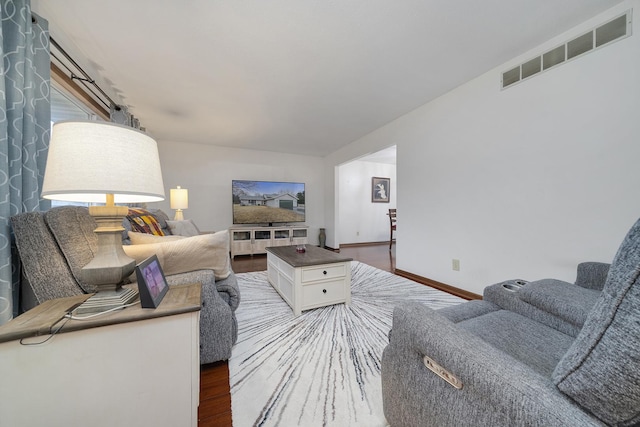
column 321, row 368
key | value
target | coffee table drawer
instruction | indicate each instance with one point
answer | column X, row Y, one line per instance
column 321, row 294
column 332, row 271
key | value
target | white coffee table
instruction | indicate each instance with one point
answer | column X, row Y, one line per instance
column 315, row 278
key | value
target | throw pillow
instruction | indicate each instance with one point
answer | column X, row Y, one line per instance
column 185, row 228
column 204, row 252
column 143, row 238
column 162, row 218
column 143, row 221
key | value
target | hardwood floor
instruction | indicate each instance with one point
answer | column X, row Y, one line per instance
column 215, row 396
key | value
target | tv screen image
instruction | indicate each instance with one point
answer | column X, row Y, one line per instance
column 267, row 202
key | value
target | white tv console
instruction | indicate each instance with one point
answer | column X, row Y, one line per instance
column 252, row 240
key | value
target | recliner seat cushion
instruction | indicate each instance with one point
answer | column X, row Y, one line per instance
column 601, row 369
column 533, row 344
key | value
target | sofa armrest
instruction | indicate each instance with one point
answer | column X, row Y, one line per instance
column 229, row 291
column 565, row 300
column 517, row 394
column 592, row 275
column 218, row 326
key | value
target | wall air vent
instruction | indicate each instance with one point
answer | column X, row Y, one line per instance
column 613, row 30
column 531, row 67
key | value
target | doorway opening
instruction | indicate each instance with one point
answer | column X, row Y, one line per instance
column 361, row 218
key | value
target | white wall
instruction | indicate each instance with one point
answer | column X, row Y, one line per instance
column 525, row 182
column 206, row 171
column 362, row 221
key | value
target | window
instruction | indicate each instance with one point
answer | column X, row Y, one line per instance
column 65, row 106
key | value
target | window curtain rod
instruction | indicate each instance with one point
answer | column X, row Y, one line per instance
column 86, row 80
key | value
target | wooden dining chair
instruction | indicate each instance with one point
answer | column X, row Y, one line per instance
column 392, row 225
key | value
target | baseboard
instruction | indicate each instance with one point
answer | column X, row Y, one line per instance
column 441, row 286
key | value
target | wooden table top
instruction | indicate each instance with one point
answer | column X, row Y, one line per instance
column 313, row 255
column 49, row 317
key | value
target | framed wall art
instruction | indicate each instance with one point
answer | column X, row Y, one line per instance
column 380, row 189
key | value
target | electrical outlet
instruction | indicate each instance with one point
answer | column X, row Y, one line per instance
column 455, row 264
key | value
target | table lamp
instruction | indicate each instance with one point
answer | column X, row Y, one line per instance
column 179, row 200
column 101, row 162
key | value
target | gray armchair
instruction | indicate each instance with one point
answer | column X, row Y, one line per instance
column 516, row 361
column 54, row 245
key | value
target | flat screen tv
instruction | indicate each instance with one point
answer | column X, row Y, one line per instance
column 267, row 202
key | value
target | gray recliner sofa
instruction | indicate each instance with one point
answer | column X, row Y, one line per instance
column 543, row 353
column 55, row 244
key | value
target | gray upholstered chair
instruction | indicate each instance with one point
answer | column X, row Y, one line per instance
column 523, row 366
column 55, row 245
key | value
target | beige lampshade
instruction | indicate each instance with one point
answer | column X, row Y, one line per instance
column 179, row 198
column 89, row 159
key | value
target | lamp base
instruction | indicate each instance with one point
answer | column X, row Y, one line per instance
column 179, row 216
column 107, row 300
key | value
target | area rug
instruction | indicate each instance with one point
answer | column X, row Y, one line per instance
column 321, row 368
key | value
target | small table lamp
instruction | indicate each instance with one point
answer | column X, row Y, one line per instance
column 179, row 200
column 100, row 162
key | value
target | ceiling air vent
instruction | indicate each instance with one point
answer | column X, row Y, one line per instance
column 616, row 29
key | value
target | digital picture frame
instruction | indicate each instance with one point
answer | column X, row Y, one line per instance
column 152, row 284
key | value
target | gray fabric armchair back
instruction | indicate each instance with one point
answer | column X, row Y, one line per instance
column 73, row 228
column 46, row 274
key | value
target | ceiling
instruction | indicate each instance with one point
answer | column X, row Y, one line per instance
column 296, row 76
